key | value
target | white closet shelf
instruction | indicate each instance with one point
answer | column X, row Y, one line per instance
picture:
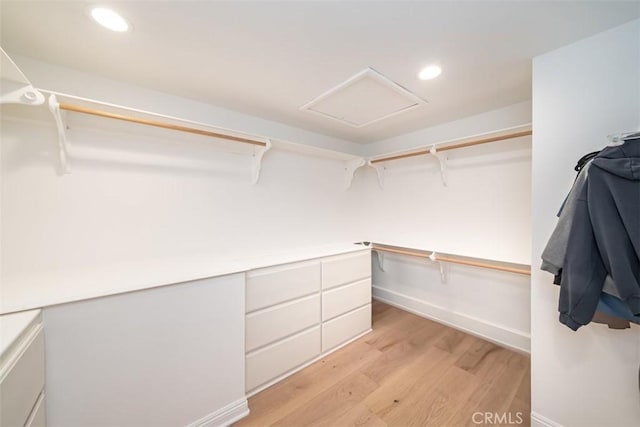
column 450, row 258
column 436, row 148
column 16, row 89
column 60, row 105
column 116, row 112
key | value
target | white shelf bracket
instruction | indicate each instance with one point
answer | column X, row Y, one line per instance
column 15, row 93
column 256, row 162
column 380, row 257
column 63, row 144
column 15, row 88
column 443, row 165
column 350, row 169
column 443, row 269
column 379, row 171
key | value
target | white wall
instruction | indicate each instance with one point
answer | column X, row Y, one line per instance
column 146, row 206
column 581, row 93
column 483, row 212
column 491, row 304
column 161, row 357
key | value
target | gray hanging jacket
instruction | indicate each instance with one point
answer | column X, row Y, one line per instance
column 604, row 236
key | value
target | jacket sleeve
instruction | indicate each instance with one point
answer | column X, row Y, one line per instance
column 583, row 274
column 554, row 254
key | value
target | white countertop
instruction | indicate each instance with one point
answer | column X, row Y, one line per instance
column 12, row 326
column 27, row 293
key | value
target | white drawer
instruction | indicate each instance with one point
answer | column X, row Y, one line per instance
column 270, row 362
column 343, row 328
column 344, row 269
column 273, row 323
column 38, row 416
column 345, row 298
column 270, row 286
column 22, row 384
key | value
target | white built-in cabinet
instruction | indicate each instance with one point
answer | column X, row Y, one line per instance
column 297, row 312
column 22, row 400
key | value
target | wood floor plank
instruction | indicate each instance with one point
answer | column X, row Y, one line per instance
column 521, row 402
column 408, row 381
column 452, row 340
column 493, row 366
column 379, row 309
column 479, row 354
column 400, row 327
column 401, row 354
column 499, row 390
column 331, row 404
column 385, row 315
column 431, row 400
column 504, row 385
column 359, row 415
column 286, row 396
column 409, row 371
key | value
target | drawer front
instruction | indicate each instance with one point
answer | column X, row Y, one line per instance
column 273, row 323
column 270, row 362
column 270, row 286
column 38, row 417
column 345, row 298
column 343, row 328
column 23, row 384
column 345, row 269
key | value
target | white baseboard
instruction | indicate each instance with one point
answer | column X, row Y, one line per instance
column 224, row 416
column 506, row 337
column 538, row 420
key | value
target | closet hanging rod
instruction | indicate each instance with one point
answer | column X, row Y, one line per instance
column 164, row 125
column 377, row 247
column 454, row 146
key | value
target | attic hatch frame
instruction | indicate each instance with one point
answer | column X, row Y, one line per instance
column 367, row 73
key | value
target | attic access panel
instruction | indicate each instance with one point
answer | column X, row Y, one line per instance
column 363, row 99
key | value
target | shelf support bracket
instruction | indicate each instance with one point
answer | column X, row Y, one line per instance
column 63, row 144
column 256, row 161
column 443, row 270
column 379, row 172
column 350, row 169
column 441, row 161
column 380, row 257
column 20, row 94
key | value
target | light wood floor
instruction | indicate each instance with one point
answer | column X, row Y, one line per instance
column 409, row 371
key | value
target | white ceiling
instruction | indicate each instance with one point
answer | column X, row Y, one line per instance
column 270, row 58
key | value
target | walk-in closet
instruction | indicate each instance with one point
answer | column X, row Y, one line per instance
column 309, row 213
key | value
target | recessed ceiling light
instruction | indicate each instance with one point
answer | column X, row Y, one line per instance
column 429, row 72
column 110, row 19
